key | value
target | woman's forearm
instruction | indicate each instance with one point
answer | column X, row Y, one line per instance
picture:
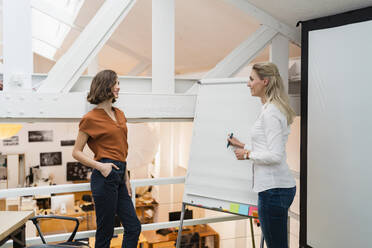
column 266, row 157
column 126, row 175
column 85, row 160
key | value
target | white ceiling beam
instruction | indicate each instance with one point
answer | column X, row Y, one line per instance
column 292, row 34
column 46, row 43
column 72, row 106
column 17, row 45
column 163, row 46
column 59, row 16
column 93, row 67
column 127, row 83
column 243, row 54
column 71, row 65
column 48, row 9
column 279, row 55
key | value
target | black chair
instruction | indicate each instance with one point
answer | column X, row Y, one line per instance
column 88, row 203
column 70, row 242
column 190, row 240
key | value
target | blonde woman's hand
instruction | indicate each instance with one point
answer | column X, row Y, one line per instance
column 106, row 168
column 235, row 142
column 239, row 153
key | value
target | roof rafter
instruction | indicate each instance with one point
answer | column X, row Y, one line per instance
column 243, row 54
column 58, row 15
column 71, row 65
column 264, row 18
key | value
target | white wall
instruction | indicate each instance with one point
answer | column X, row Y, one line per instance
column 171, row 161
column 13, row 170
column 42, row 64
column 68, row 131
column 61, row 131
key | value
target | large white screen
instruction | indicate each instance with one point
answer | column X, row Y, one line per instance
column 339, row 197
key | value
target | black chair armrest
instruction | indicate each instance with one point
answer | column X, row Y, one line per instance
column 35, row 220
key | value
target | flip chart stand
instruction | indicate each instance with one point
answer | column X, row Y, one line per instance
column 179, row 235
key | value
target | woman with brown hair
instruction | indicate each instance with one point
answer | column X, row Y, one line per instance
column 105, row 131
column 272, row 178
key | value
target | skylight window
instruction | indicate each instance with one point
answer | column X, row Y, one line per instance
column 51, row 22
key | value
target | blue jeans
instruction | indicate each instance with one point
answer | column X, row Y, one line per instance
column 111, row 197
column 273, row 205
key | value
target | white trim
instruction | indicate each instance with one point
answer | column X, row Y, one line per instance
column 223, row 80
column 130, row 84
column 74, row 105
column 44, row 190
column 66, row 188
column 158, row 181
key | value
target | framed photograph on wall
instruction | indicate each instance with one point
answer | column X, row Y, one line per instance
column 50, row 158
column 40, row 136
column 12, row 141
column 75, row 171
column 67, row 142
column 3, row 167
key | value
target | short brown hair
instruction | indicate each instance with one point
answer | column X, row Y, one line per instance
column 101, row 87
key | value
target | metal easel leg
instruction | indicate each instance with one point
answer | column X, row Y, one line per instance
column 179, row 235
column 262, row 241
column 252, row 232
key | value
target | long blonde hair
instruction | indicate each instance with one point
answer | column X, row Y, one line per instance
column 275, row 92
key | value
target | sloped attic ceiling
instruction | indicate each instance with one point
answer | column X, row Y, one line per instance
column 206, row 31
column 292, row 11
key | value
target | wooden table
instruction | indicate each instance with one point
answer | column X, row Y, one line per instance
column 155, row 240
column 13, row 227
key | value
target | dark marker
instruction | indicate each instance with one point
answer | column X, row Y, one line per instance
column 228, row 143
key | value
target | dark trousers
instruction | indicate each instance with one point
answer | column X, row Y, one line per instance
column 273, row 205
column 111, row 197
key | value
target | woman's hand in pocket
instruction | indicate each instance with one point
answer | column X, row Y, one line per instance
column 106, row 168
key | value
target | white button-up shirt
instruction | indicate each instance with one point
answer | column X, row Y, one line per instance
column 269, row 136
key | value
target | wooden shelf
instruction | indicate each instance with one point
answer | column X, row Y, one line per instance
column 155, row 240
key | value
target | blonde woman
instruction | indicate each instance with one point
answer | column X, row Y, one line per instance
column 272, row 178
